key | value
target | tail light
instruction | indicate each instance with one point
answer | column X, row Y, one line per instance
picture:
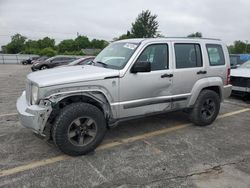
column 228, row 76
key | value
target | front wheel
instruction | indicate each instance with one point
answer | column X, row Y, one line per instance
column 43, row 67
column 79, row 129
column 206, row 108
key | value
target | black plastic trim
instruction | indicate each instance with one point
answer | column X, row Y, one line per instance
column 153, row 101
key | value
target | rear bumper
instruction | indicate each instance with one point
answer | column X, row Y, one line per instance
column 33, row 117
column 227, row 90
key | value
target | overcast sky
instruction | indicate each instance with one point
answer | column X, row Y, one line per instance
column 228, row 20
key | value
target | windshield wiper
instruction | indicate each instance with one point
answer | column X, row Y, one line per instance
column 99, row 62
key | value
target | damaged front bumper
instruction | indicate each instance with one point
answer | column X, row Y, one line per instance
column 32, row 116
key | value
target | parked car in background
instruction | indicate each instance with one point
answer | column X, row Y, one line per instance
column 75, row 105
column 53, row 62
column 82, row 61
column 240, row 79
column 29, row 61
column 40, row 59
column 238, row 59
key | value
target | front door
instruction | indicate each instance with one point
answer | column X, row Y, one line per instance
column 147, row 92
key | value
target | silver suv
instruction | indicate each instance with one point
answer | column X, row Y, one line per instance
column 74, row 106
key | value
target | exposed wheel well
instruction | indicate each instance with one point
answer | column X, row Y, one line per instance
column 73, row 99
column 215, row 89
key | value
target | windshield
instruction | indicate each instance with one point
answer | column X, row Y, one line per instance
column 116, row 55
column 42, row 58
column 245, row 65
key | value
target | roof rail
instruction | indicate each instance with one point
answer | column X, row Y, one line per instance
column 194, row 38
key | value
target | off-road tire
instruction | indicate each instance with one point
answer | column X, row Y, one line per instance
column 64, row 120
column 195, row 114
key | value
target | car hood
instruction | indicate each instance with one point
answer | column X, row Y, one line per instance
column 69, row 74
column 241, row 72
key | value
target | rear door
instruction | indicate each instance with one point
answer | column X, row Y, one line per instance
column 188, row 69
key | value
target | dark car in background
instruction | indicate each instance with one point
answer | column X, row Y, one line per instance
column 82, row 61
column 40, row 59
column 238, row 59
column 53, row 62
column 29, row 61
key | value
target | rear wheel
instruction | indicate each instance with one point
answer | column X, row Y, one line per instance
column 206, row 108
column 79, row 129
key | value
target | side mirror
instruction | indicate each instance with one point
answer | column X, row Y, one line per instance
column 141, row 66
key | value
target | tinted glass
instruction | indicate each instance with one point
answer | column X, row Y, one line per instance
column 56, row 59
column 85, row 62
column 188, row 55
column 67, row 58
column 215, row 54
column 233, row 60
column 157, row 55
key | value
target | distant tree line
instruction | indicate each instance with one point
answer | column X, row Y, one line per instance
column 47, row 46
column 239, row 47
column 145, row 26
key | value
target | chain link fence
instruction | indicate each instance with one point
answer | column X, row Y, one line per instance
column 14, row 58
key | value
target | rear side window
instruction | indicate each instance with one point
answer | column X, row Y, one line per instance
column 56, row 59
column 215, row 54
column 187, row 55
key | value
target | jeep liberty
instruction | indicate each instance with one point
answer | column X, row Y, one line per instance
column 74, row 106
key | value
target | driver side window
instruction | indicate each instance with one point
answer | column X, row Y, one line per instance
column 157, row 55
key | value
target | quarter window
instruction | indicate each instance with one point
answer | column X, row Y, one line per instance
column 157, row 55
column 215, row 54
column 187, row 55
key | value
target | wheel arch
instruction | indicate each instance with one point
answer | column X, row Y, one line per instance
column 95, row 98
column 213, row 83
column 44, row 65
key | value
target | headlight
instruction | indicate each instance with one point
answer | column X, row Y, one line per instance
column 34, row 94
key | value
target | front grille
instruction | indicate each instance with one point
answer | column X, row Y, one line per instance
column 240, row 81
column 28, row 92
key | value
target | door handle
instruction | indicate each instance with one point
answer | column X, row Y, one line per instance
column 167, row 75
column 202, row 72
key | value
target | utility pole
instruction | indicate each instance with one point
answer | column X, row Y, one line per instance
column 77, row 35
column 246, row 46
